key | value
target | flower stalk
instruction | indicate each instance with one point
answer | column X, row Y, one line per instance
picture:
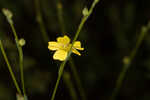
column 83, row 20
column 9, row 68
column 71, row 61
column 9, row 16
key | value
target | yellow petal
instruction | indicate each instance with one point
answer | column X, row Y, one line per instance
column 60, row 55
column 76, row 51
column 53, row 45
column 64, row 40
column 77, row 45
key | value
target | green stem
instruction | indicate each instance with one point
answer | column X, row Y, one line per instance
column 58, row 79
column 70, row 51
column 119, row 81
column 20, row 56
column 9, row 68
column 127, row 65
column 71, row 62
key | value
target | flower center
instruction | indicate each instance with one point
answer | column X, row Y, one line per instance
column 64, row 46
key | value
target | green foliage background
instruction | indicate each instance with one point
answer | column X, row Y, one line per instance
column 108, row 36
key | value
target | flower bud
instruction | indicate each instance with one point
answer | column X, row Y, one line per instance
column 85, row 11
column 22, row 42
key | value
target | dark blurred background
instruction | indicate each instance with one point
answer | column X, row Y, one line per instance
column 109, row 35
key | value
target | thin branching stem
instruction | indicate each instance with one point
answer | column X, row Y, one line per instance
column 83, row 20
column 9, row 16
column 71, row 62
column 20, row 51
column 58, row 79
column 9, row 68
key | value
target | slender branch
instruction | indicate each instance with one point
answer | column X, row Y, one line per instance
column 20, row 51
column 9, row 67
column 9, row 16
column 83, row 20
column 20, row 57
column 58, row 79
column 71, row 62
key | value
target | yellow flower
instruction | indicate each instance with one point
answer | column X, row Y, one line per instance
column 62, row 47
